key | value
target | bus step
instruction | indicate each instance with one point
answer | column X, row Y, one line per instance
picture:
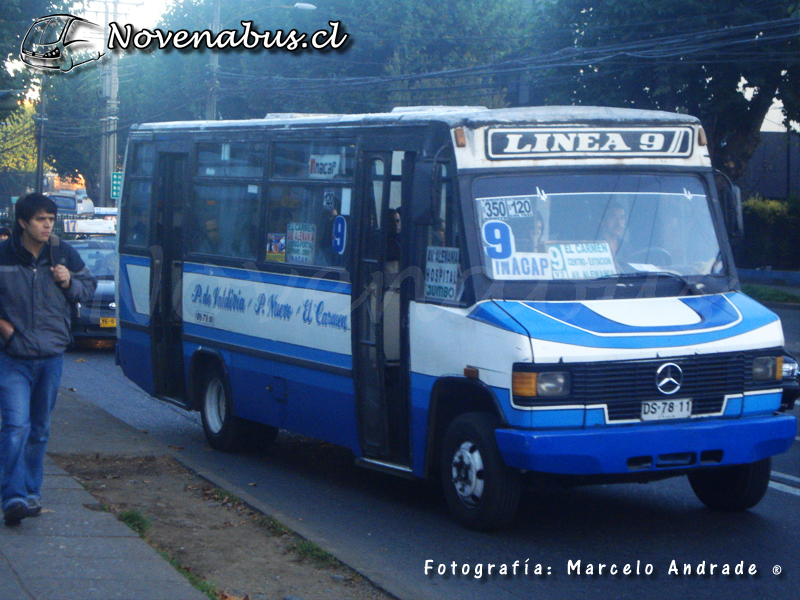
column 386, row 467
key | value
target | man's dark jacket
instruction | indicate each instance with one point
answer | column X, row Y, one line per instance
column 37, row 307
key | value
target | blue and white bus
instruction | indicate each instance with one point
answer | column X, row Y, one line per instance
column 487, row 297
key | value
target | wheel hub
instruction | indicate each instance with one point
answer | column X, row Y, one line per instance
column 467, row 473
column 215, row 405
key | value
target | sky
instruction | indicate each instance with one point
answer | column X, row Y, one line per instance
column 140, row 13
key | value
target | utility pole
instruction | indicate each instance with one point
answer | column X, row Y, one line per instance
column 211, row 99
column 109, row 121
column 39, row 184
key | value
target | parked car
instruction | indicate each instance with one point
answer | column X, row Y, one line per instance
column 791, row 381
column 97, row 320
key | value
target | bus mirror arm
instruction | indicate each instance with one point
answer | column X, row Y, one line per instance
column 737, row 214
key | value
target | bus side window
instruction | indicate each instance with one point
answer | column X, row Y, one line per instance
column 135, row 207
column 226, row 220
column 226, row 199
column 309, row 220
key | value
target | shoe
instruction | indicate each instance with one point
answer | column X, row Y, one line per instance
column 34, row 507
column 15, row 512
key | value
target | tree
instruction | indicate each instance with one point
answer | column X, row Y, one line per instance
column 16, row 16
column 72, row 126
column 723, row 62
column 17, row 154
column 391, row 49
column 17, row 141
column 771, row 227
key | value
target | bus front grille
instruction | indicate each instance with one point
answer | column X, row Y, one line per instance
column 623, row 386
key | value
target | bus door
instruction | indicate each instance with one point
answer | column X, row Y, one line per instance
column 378, row 325
column 166, row 326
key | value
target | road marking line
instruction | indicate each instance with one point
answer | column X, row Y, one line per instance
column 784, row 488
column 784, row 476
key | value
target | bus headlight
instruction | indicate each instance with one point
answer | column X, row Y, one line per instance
column 767, row 367
column 553, row 383
column 547, row 384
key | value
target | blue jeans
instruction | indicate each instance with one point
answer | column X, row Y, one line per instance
column 28, row 390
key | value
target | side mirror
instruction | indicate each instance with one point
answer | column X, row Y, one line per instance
column 423, row 193
column 730, row 197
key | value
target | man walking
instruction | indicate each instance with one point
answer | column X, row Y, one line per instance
column 39, row 278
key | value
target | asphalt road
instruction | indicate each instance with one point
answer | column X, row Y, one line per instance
column 390, row 528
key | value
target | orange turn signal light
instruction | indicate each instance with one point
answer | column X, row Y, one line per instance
column 523, row 384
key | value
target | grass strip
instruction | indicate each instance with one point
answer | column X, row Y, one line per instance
column 765, row 293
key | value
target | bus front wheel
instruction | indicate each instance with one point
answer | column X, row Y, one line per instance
column 481, row 491
column 224, row 431
column 734, row 488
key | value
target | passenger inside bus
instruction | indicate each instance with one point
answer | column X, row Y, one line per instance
column 612, row 226
column 393, row 241
column 532, row 242
column 211, row 243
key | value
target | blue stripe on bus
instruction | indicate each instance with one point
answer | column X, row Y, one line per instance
column 765, row 403
column 490, row 314
column 714, row 312
column 127, row 259
column 323, row 285
column 576, row 326
column 291, row 351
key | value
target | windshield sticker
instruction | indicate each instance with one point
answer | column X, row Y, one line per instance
column 276, row 247
column 339, row 242
column 324, row 166
column 581, row 260
column 521, row 266
column 512, row 257
column 441, row 274
column 301, row 241
column 512, row 207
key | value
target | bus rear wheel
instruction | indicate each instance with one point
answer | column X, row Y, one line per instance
column 481, row 491
column 734, row 488
column 224, row 431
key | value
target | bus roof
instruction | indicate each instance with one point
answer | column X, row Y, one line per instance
column 452, row 116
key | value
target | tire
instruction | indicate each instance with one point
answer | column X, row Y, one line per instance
column 224, row 431
column 735, row 488
column 481, row 491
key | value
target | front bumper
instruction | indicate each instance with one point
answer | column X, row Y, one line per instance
column 655, row 448
column 87, row 326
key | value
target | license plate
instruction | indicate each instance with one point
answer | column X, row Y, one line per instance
column 108, row 322
column 667, row 409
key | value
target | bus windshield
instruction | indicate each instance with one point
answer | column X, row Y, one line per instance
column 595, row 225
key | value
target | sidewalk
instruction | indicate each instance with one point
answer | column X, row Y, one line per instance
column 74, row 550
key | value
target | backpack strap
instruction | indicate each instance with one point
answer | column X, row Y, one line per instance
column 56, row 254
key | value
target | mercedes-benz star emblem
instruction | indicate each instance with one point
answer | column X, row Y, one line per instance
column 669, row 378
